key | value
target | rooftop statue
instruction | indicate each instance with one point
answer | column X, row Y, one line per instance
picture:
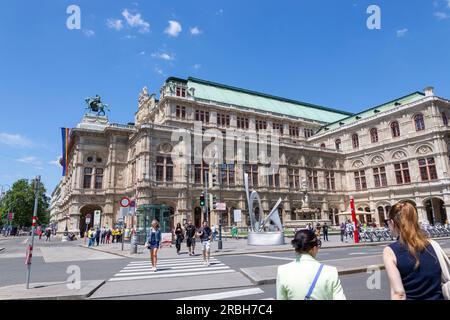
column 95, row 105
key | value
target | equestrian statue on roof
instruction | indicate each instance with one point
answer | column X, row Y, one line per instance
column 95, row 105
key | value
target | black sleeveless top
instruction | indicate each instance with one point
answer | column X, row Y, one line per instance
column 423, row 283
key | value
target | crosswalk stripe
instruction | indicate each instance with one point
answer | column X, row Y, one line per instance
column 156, row 275
column 162, row 262
column 161, row 267
column 224, row 295
column 172, row 260
column 167, row 271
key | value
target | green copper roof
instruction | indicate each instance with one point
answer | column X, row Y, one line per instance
column 372, row 111
column 259, row 101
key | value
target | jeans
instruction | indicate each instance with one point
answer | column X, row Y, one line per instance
column 91, row 242
column 325, row 236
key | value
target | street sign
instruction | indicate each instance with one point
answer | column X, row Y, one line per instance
column 221, row 206
column 125, row 202
column 237, row 215
column 88, row 220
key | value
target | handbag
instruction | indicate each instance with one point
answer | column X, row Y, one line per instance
column 444, row 262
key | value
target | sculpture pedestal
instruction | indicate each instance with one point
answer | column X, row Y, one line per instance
column 265, row 238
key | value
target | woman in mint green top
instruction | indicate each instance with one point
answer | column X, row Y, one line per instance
column 306, row 278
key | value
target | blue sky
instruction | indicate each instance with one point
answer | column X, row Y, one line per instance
column 315, row 51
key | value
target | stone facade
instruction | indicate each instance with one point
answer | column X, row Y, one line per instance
column 400, row 152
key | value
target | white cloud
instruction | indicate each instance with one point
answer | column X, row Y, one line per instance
column 402, row 32
column 14, row 140
column 173, row 29
column 159, row 71
column 55, row 162
column 31, row 160
column 197, row 66
column 142, row 53
column 195, row 31
column 163, row 56
column 129, row 37
column 441, row 15
column 136, row 21
column 89, row 33
column 115, row 24
column 448, row 3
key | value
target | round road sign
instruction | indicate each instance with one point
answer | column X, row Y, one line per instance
column 125, row 202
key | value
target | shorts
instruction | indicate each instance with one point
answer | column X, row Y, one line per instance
column 153, row 245
column 190, row 242
column 206, row 245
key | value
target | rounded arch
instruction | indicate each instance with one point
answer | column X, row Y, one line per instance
column 358, row 163
column 424, row 148
column 399, row 154
column 377, row 159
column 419, row 121
column 87, row 212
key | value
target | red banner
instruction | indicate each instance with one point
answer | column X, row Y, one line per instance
column 355, row 223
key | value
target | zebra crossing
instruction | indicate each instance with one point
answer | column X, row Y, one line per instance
column 250, row 293
column 171, row 268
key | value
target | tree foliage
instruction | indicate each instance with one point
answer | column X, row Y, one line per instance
column 20, row 200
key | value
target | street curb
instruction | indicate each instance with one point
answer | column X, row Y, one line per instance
column 218, row 253
column 68, row 297
column 247, row 272
column 104, row 251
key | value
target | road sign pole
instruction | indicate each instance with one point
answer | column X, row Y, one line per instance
column 33, row 226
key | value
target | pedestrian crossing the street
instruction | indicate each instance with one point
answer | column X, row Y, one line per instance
column 170, row 268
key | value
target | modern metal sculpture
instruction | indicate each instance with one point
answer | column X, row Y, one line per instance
column 257, row 235
column 95, row 105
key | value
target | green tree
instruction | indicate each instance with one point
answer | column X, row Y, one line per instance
column 20, row 200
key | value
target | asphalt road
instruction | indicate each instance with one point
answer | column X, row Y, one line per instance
column 52, row 259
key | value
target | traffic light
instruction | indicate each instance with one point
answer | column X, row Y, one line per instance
column 214, row 202
column 202, row 200
column 214, row 180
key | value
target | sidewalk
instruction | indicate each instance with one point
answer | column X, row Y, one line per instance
column 230, row 247
column 50, row 291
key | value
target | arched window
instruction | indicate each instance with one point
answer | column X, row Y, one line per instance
column 322, row 145
column 444, row 119
column 338, row 144
column 395, row 129
column 374, row 135
column 419, row 122
column 355, row 141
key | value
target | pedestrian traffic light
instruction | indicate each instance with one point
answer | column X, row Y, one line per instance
column 202, row 200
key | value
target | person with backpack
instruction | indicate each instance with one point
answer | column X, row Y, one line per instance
column 416, row 266
column 317, row 281
column 190, row 238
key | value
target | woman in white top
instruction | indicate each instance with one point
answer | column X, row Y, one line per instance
column 306, row 278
